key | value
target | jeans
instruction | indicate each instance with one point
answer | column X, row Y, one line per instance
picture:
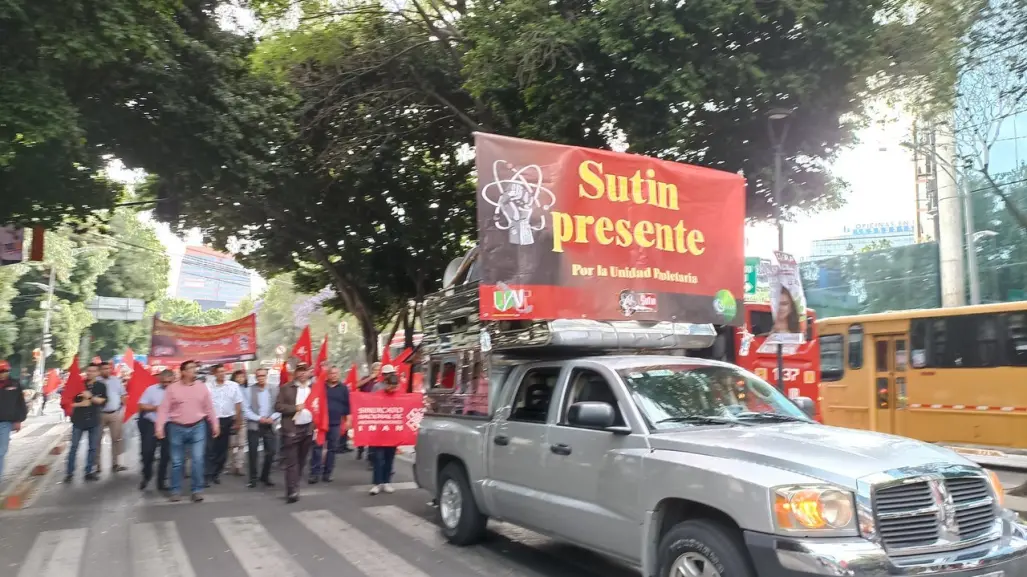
column 325, row 465
column 196, row 437
column 93, row 438
column 148, row 448
column 6, row 428
column 382, row 458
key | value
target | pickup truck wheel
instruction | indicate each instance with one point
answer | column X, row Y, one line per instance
column 701, row 548
column 462, row 521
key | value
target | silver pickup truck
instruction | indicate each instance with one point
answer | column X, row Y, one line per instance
column 689, row 467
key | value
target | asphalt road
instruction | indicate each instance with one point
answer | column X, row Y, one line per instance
column 110, row 528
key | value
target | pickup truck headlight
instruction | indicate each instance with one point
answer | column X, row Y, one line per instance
column 996, row 486
column 804, row 508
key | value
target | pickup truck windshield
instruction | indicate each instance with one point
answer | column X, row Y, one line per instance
column 675, row 396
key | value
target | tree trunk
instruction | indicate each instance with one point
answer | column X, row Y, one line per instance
column 395, row 326
column 354, row 303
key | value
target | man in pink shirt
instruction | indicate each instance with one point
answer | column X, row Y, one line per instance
column 185, row 411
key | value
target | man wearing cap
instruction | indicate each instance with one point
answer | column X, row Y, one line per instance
column 382, row 458
column 13, row 410
column 297, row 428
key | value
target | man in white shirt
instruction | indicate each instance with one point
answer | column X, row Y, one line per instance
column 110, row 419
column 227, row 401
column 297, row 429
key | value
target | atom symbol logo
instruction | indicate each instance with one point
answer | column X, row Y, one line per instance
column 414, row 418
column 516, row 199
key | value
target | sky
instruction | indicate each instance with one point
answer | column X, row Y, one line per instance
column 881, row 176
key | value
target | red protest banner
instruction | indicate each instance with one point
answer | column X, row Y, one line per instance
column 225, row 343
column 381, row 420
column 570, row 232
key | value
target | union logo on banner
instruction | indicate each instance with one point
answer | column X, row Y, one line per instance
column 414, row 418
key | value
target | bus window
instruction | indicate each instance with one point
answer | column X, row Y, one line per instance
column 939, row 356
column 901, row 356
column 832, row 357
column 1016, row 325
column 855, row 347
column 918, row 343
column 761, row 322
column 987, row 341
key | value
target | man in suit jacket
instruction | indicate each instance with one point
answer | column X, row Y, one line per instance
column 297, row 428
column 259, row 409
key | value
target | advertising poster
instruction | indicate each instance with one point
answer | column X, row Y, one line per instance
column 12, row 245
column 787, row 302
column 569, row 232
column 386, row 420
column 229, row 342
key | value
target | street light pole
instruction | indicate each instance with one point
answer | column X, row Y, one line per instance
column 782, row 115
column 43, row 354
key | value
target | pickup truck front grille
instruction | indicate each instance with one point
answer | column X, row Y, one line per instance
column 941, row 514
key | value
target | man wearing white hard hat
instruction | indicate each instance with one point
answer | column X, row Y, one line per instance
column 382, row 458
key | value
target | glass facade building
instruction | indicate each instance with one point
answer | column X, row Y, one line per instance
column 212, row 278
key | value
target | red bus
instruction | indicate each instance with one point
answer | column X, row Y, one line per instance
column 744, row 346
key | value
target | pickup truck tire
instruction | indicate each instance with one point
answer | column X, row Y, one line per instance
column 462, row 522
column 711, row 549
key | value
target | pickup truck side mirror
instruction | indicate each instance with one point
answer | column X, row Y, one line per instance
column 806, row 404
column 592, row 415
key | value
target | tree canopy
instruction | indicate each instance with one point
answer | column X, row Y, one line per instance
column 155, row 83
column 380, row 195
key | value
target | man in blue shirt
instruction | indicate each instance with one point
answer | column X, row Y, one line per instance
column 258, row 405
column 148, row 403
column 322, row 461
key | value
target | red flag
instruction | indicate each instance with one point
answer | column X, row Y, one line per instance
column 352, row 377
column 301, row 350
column 406, row 354
column 322, row 358
column 283, row 374
column 141, row 379
column 319, row 407
column 72, row 387
column 53, row 380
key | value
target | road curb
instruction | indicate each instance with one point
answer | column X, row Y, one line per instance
column 22, row 489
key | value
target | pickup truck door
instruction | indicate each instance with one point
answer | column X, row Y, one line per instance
column 593, row 477
column 516, row 446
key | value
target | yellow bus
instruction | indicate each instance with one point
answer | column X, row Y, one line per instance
column 955, row 376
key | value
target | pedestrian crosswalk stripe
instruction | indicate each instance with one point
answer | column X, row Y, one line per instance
column 55, row 554
column 26, row 429
column 427, row 533
column 361, row 551
column 157, row 551
column 405, row 486
column 256, row 550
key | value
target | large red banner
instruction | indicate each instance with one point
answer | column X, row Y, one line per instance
column 569, row 232
column 386, row 420
column 225, row 343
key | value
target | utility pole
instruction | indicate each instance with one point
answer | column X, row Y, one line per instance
column 778, row 140
column 950, row 220
column 44, row 345
column 971, row 245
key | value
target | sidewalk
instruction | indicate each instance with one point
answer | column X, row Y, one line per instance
column 31, row 445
